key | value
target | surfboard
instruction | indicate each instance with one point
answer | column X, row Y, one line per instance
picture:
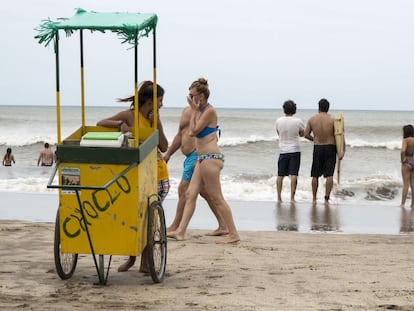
column 339, row 141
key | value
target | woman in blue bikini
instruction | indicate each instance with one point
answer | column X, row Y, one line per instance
column 210, row 161
column 407, row 163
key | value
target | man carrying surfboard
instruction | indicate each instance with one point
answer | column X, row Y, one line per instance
column 320, row 129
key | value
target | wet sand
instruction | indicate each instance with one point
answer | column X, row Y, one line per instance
column 346, row 218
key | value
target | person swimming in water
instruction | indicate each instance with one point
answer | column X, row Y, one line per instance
column 8, row 158
column 46, row 156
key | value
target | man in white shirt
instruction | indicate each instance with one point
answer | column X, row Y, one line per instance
column 289, row 130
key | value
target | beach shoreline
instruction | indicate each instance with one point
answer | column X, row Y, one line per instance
column 265, row 271
column 304, row 217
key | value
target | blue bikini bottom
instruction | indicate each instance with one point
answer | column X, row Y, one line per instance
column 219, row 156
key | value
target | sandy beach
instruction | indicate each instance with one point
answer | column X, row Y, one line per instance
column 265, row 271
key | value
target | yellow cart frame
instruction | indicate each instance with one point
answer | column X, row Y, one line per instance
column 108, row 202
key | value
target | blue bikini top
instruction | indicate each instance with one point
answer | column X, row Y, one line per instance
column 208, row 130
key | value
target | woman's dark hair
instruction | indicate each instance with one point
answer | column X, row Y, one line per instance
column 289, row 107
column 145, row 92
column 408, row 131
column 8, row 150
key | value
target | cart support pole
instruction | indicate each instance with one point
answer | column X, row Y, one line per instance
column 136, row 110
column 59, row 139
column 82, row 81
column 155, row 104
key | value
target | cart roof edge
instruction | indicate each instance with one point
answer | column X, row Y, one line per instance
column 129, row 26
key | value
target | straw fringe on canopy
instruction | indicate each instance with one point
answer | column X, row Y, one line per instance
column 128, row 26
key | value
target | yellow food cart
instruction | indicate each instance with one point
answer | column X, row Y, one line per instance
column 108, row 202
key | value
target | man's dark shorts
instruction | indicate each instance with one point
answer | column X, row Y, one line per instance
column 324, row 160
column 288, row 164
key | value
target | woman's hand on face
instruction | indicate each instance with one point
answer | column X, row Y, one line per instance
column 192, row 103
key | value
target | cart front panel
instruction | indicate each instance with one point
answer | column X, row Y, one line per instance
column 116, row 216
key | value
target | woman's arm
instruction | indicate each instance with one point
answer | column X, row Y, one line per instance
column 175, row 145
column 162, row 139
column 403, row 150
column 208, row 118
column 118, row 121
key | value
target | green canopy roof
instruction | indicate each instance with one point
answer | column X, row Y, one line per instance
column 129, row 26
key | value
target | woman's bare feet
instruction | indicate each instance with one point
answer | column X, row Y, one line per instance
column 229, row 240
column 171, row 228
column 218, row 232
column 175, row 235
column 127, row 264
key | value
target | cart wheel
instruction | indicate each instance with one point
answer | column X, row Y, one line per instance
column 65, row 263
column 157, row 242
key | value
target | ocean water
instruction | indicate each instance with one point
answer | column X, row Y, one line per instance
column 370, row 170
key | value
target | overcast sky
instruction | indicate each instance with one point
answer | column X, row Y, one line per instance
column 359, row 54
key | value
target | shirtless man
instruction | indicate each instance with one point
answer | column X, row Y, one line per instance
column 46, row 157
column 186, row 142
column 321, row 126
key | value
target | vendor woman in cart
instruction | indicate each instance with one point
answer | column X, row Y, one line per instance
column 123, row 121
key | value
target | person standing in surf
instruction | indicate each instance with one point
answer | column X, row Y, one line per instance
column 320, row 129
column 8, row 158
column 407, row 163
column 46, row 157
column 289, row 129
